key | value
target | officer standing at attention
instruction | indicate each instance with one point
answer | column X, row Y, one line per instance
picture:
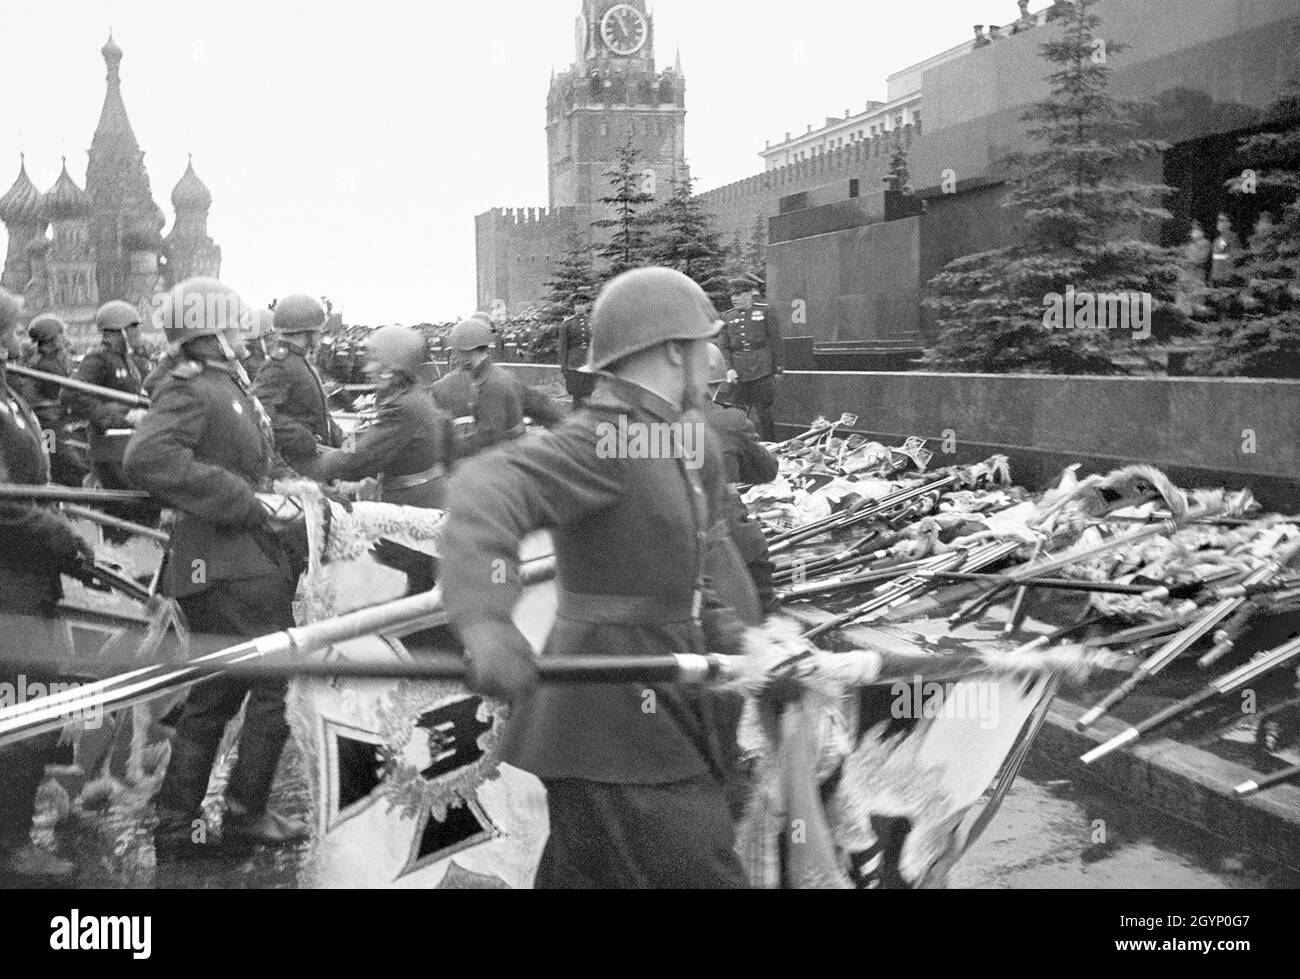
column 409, row 445
column 746, row 462
column 575, row 342
column 486, row 402
column 38, row 546
column 636, row 796
column 117, row 365
column 205, row 449
column 290, row 387
column 752, row 343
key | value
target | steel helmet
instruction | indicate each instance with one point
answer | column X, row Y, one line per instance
column 299, row 314
column 11, row 310
column 717, row 365
column 46, row 328
column 470, row 334
column 116, row 316
column 644, row 308
column 257, row 323
column 198, row 308
column 398, row 347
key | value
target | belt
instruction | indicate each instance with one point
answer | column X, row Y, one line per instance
column 623, row 609
column 418, row 479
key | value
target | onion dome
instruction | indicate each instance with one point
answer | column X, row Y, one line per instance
column 111, row 52
column 191, row 193
column 22, row 203
column 65, row 199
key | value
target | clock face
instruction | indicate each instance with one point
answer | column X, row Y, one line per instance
column 624, row 29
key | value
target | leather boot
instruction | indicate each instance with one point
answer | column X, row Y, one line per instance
column 242, row 828
column 30, row 862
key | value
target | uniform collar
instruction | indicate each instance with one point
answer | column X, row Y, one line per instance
column 633, row 394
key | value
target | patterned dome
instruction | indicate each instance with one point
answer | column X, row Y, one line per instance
column 191, row 193
column 65, row 199
column 111, row 52
column 23, row 202
column 38, row 246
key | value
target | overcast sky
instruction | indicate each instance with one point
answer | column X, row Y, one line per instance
column 348, row 147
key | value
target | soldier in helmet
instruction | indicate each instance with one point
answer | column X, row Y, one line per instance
column 746, row 462
column 117, row 364
column 409, row 446
column 39, row 546
column 486, row 402
column 48, row 333
column 575, row 342
column 290, row 387
column 204, row 449
column 258, row 325
column 752, row 344
column 636, row 797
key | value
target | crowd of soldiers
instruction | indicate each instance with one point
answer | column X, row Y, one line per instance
column 654, row 556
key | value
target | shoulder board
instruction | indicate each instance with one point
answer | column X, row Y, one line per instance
column 187, row 371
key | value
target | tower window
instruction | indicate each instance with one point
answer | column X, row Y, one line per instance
column 604, row 129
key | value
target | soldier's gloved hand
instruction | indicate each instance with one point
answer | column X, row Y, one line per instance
column 135, row 416
column 500, row 660
column 733, row 377
column 67, row 550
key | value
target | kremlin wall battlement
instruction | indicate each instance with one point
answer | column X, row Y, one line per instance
column 825, row 179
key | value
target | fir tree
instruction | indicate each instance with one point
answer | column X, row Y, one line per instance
column 898, row 175
column 755, row 261
column 1260, row 337
column 688, row 242
column 573, row 280
column 1078, row 205
column 628, row 245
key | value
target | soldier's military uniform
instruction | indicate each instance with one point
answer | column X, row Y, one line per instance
column 487, row 406
column 752, row 343
column 290, row 388
column 121, row 371
column 409, row 445
column 637, row 797
column 203, row 449
column 746, row 462
column 575, row 342
column 38, row 547
column 68, row 462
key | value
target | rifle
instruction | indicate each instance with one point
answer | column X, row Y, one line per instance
column 1188, row 638
column 1227, row 684
column 108, row 394
column 69, row 494
column 1277, row 778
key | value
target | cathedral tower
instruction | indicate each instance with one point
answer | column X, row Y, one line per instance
column 71, row 262
column 126, row 222
column 22, row 209
column 190, row 251
column 612, row 91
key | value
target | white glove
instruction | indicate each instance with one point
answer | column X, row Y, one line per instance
column 732, row 377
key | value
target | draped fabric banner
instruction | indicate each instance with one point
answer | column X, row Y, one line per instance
column 406, row 786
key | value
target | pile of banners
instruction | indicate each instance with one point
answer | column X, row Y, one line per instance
column 931, row 616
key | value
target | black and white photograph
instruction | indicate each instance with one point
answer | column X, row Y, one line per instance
column 658, row 446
